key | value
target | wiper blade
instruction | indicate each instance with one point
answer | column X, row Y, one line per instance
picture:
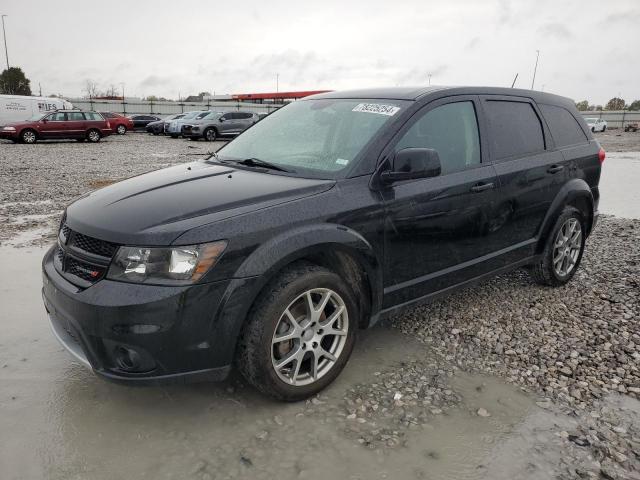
column 256, row 162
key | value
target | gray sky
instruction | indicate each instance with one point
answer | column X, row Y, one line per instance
column 588, row 48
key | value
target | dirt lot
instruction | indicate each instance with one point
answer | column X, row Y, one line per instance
column 506, row 380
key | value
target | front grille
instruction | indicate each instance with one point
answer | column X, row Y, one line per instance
column 93, row 245
column 81, row 259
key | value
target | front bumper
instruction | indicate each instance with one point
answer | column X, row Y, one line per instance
column 144, row 333
column 8, row 135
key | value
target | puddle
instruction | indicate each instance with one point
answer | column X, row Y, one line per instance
column 620, row 176
column 66, row 423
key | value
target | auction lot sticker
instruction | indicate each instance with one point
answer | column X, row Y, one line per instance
column 378, row 108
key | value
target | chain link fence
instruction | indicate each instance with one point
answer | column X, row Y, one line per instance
column 615, row 118
column 144, row 107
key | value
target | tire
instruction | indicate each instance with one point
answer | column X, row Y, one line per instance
column 210, row 134
column 593, row 129
column 604, row 129
column 28, row 136
column 550, row 273
column 121, row 129
column 298, row 376
column 93, row 135
column 174, row 136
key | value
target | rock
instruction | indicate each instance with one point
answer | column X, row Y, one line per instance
column 262, row 435
column 482, row 412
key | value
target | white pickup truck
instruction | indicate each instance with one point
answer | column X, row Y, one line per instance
column 14, row 108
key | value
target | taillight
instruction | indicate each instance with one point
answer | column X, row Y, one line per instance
column 601, row 155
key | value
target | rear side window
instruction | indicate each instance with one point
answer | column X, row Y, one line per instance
column 564, row 127
column 451, row 130
column 75, row 116
column 515, row 129
column 93, row 116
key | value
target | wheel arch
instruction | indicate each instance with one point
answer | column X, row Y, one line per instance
column 337, row 248
column 575, row 193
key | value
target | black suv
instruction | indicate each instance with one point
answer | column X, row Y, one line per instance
column 329, row 214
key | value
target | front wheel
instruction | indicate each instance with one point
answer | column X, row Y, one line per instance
column 93, row 135
column 210, row 134
column 604, row 129
column 563, row 250
column 28, row 136
column 299, row 333
column 121, row 130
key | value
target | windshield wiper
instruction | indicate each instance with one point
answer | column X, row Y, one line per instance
column 256, row 162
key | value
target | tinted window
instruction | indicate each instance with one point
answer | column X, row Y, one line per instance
column 75, row 116
column 202, row 115
column 93, row 116
column 108, row 115
column 451, row 130
column 515, row 129
column 245, row 116
column 564, row 127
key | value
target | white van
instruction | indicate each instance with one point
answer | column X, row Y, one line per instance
column 14, row 108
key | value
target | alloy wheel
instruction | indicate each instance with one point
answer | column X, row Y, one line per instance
column 210, row 135
column 29, row 137
column 94, row 136
column 121, row 129
column 567, row 246
column 309, row 337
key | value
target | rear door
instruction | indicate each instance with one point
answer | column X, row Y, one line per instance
column 229, row 123
column 76, row 124
column 435, row 228
column 531, row 172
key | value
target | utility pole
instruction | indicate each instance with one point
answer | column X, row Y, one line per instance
column 124, row 108
column 40, row 88
column 535, row 69
column 4, row 34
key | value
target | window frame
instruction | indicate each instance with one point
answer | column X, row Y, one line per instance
column 389, row 150
column 547, row 139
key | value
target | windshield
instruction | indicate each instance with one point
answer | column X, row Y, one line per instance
column 37, row 116
column 591, row 120
column 320, row 137
column 189, row 115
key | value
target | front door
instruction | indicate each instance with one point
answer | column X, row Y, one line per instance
column 437, row 229
column 53, row 126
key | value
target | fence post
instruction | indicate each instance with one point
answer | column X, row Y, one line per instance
column 151, row 106
column 124, row 106
column 624, row 112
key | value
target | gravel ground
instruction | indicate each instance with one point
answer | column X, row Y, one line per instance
column 575, row 348
column 573, row 345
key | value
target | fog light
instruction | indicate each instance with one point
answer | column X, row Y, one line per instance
column 127, row 359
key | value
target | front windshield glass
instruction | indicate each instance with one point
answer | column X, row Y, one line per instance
column 37, row 116
column 320, row 137
column 591, row 120
column 189, row 115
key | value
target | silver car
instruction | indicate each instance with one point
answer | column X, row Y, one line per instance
column 218, row 124
column 174, row 128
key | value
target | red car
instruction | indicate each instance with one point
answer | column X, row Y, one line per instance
column 74, row 124
column 119, row 123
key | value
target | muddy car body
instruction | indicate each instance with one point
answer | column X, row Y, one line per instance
column 329, row 214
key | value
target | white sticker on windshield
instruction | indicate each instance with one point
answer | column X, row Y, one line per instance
column 378, row 108
column 342, row 161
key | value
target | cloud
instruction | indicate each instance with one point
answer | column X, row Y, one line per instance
column 557, row 30
column 155, row 81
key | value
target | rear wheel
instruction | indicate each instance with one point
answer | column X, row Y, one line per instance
column 28, row 136
column 210, row 134
column 299, row 333
column 121, row 130
column 93, row 135
column 563, row 250
column 604, row 128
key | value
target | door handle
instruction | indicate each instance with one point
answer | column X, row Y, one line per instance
column 555, row 168
column 481, row 187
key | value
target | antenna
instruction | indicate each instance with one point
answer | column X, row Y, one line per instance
column 514, row 80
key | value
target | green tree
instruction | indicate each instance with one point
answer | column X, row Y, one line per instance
column 635, row 105
column 583, row 105
column 14, row 82
column 615, row 104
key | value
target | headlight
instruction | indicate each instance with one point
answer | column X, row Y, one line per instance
column 168, row 266
column 9, row 129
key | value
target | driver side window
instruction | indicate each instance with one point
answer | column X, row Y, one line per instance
column 452, row 131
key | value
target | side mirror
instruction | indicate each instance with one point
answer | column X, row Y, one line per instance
column 222, row 119
column 44, row 120
column 411, row 164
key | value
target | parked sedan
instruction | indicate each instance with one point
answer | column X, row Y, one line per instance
column 141, row 121
column 158, row 127
column 58, row 125
column 218, row 124
column 119, row 123
column 596, row 124
column 174, row 128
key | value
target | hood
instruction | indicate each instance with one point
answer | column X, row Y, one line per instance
column 19, row 123
column 157, row 207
